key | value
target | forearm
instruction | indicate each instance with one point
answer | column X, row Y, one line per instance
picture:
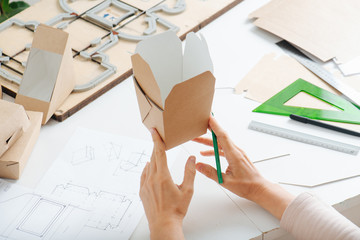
column 308, row 218
column 167, row 230
column 273, row 198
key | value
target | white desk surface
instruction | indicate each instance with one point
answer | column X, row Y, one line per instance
column 235, row 46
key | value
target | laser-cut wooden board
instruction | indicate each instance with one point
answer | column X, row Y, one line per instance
column 83, row 31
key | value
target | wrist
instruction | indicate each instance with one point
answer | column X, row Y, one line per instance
column 166, row 228
column 273, row 198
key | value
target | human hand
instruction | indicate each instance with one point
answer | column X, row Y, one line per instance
column 241, row 176
column 165, row 203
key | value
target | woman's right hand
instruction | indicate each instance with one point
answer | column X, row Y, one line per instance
column 241, row 176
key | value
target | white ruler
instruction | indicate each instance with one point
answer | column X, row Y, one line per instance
column 304, row 138
column 351, row 94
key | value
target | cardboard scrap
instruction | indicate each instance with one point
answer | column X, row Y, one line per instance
column 13, row 161
column 272, row 74
column 174, row 91
column 13, row 123
column 49, row 75
column 326, row 29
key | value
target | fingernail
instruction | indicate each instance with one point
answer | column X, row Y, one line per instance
column 152, row 130
column 192, row 159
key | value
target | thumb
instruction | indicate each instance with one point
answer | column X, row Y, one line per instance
column 207, row 170
column 189, row 175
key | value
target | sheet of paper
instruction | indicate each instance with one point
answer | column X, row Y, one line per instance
column 26, row 214
column 326, row 29
column 303, row 170
column 100, row 174
column 350, row 68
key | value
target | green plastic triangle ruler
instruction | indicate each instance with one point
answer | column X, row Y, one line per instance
column 275, row 105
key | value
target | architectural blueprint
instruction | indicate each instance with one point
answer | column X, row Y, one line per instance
column 90, row 192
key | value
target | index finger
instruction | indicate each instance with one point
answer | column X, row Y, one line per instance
column 159, row 152
column 206, row 141
column 222, row 137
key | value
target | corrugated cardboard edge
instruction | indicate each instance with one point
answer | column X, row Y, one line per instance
column 187, row 109
column 14, row 160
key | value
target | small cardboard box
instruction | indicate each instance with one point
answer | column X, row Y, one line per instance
column 13, row 123
column 174, row 90
column 13, row 161
column 49, row 75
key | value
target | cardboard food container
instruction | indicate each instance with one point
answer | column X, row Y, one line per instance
column 13, row 161
column 13, row 123
column 174, row 90
column 49, row 75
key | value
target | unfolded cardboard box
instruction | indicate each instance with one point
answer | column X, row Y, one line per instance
column 13, row 123
column 174, row 90
column 49, row 75
column 13, row 161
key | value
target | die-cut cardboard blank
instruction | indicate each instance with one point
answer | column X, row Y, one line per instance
column 196, row 15
column 326, row 29
column 13, row 161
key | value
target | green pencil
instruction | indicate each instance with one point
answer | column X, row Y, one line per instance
column 217, row 158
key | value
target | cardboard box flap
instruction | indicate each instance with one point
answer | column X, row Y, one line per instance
column 163, row 54
column 187, row 109
column 13, row 122
column 146, row 80
column 143, row 102
column 196, row 57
